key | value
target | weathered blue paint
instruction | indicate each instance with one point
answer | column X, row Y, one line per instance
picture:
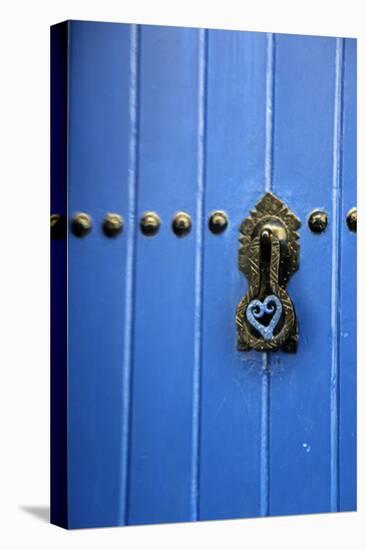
column 347, row 289
column 230, row 405
column 305, row 390
column 98, row 174
column 156, row 416
column 160, row 439
column 300, row 415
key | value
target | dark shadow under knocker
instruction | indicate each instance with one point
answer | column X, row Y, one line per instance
column 268, row 255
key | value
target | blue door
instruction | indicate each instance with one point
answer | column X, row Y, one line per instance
column 156, row 415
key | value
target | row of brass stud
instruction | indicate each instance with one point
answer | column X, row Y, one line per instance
column 181, row 224
column 150, row 223
column 318, row 220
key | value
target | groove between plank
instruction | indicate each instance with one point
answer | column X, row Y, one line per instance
column 196, row 403
column 266, row 377
column 268, row 158
column 130, row 269
column 335, row 284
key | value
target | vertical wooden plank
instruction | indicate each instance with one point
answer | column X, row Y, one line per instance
column 164, row 313
column 99, row 162
column 59, row 79
column 231, row 403
column 347, row 352
column 300, row 399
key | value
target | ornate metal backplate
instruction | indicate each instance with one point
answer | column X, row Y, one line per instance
column 268, row 256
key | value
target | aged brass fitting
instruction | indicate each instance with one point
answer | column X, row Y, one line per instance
column 218, row 222
column 352, row 219
column 181, row 224
column 81, row 224
column 268, row 255
column 150, row 224
column 318, row 221
column 58, row 226
column 112, row 225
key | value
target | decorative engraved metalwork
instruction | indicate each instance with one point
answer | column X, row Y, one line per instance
column 268, row 256
column 257, row 309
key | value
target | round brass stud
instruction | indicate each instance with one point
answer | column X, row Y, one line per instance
column 112, row 225
column 352, row 219
column 318, row 221
column 150, row 224
column 181, row 224
column 58, row 226
column 81, row 224
column 218, row 222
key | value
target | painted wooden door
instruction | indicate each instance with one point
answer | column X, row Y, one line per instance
column 156, row 417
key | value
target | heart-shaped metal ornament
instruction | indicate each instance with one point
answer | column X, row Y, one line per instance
column 257, row 309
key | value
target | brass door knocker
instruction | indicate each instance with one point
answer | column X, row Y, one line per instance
column 268, row 255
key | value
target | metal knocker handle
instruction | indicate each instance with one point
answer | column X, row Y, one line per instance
column 268, row 255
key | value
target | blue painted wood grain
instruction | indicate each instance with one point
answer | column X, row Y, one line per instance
column 300, row 450
column 98, row 164
column 166, row 420
column 230, row 439
column 347, row 288
column 160, row 464
column 304, row 422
